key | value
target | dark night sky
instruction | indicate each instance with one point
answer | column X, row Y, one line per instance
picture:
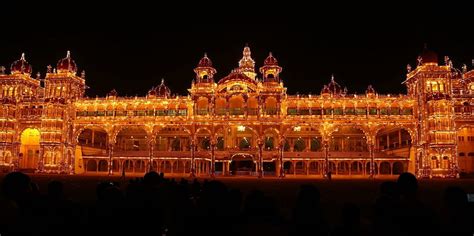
column 131, row 48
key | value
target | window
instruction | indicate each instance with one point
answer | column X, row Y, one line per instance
column 304, row 111
column 395, row 111
column 383, row 111
column 407, row 111
column 471, row 154
column 361, row 111
column 316, row 111
column 160, row 112
column 328, row 111
column 109, row 113
column 292, row 111
column 461, row 138
column 372, row 111
column 182, row 112
column 461, row 154
column 350, row 111
column 337, row 111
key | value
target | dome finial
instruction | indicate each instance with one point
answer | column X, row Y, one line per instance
column 22, row 56
column 332, row 77
column 68, row 54
column 205, row 54
column 162, row 81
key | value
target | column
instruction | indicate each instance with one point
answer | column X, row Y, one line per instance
column 193, row 161
column 280, row 159
column 111, row 150
column 372, row 158
column 213, row 158
column 150, row 161
column 41, row 159
column 326, row 157
column 260, row 158
column 93, row 137
column 388, row 141
column 399, row 138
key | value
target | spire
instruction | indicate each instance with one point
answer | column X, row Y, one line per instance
column 332, row 78
column 68, row 54
column 162, row 81
column 22, row 56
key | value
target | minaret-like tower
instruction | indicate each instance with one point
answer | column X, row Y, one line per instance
column 19, row 91
column 430, row 84
column 62, row 87
column 270, row 69
column 247, row 64
column 204, row 70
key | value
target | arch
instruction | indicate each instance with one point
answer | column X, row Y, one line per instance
column 271, row 106
column 357, row 168
column 202, row 106
column 29, row 148
column 140, row 166
column 367, row 168
column 385, row 168
column 220, row 106
column 300, row 167
column 128, row 165
column 299, row 145
column 236, row 105
column 288, row 167
column 332, row 167
column 131, row 138
column 93, row 137
column 103, row 166
column 91, row 166
column 398, row 168
column 343, row 168
column 252, row 106
column 314, row 168
column 393, row 137
column 351, row 138
column 166, row 166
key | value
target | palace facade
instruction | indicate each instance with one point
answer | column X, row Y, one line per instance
column 243, row 123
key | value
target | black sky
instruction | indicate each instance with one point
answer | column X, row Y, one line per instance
column 131, row 47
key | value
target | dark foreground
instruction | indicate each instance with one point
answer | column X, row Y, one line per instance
column 239, row 206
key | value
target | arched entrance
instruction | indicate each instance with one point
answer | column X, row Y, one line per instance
column 242, row 164
column 29, row 149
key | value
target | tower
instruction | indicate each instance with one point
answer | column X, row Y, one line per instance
column 270, row 69
column 19, row 96
column 62, row 87
column 247, row 64
column 204, row 70
column 430, row 84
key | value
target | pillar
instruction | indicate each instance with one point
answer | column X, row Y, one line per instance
column 388, row 141
column 150, row 159
column 193, row 161
column 372, row 158
column 260, row 158
column 213, row 158
column 280, row 159
column 111, row 150
column 326, row 157
column 399, row 138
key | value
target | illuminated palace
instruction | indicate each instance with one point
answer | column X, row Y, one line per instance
column 243, row 123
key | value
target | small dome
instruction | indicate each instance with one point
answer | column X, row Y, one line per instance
column 66, row 64
column 370, row 90
column 270, row 60
column 160, row 91
column 334, row 87
column 205, row 61
column 325, row 90
column 21, row 66
column 112, row 93
column 429, row 56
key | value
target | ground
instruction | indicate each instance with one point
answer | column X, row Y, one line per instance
column 334, row 193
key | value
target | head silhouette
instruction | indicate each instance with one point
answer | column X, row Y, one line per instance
column 16, row 185
column 407, row 184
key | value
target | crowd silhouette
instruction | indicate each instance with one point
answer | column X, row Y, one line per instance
column 155, row 205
